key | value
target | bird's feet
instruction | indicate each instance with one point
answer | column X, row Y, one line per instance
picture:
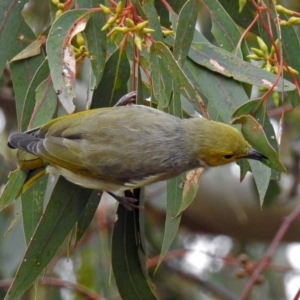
column 127, row 202
column 127, row 99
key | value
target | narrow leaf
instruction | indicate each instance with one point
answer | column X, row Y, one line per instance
column 113, row 84
column 160, row 81
column 22, row 71
column 262, row 176
column 151, row 14
column 190, row 188
column 185, row 30
column 62, row 212
column 224, row 29
column 11, row 23
column 225, row 63
column 87, row 214
column 61, row 56
column 176, row 73
column 226, row 96
column 254, row 134
column 46, row 104
column 172, row 218
column 126, row 250
column 31, row 50
column 96, row 42
column 13, row 187
column 30, row 97
column 32, row 205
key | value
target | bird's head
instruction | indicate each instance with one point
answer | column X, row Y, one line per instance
column 222, row 144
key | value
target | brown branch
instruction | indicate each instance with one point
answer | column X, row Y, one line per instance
column 297, row 296
column 51, row 281
column 269, row 253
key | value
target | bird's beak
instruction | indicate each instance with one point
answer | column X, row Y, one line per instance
column 253, row 154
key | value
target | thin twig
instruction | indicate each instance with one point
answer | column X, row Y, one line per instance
column 269, row 253
column 51, row 281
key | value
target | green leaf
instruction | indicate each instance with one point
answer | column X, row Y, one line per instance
column 225, row 63
column 262, row 176
column 225, row 96
column 243, row 18
column 184, row 30
column 257, row 109
column 46, row 103
column 88, row 214
column 10, row 30
column 161, row 81
column 167, row 60
column 30, row 98
column 151, row 14
column 34, row 49
column 254, row 134
column 190, row 188
column 224, row 29
column 96, row 38
column 62, row 212
column 13, row 187
column 22, row 72
column 113, row 84
column 291, row 49
column 131, row 280
column 32, row 205
column 61, row 56
column 172, row 217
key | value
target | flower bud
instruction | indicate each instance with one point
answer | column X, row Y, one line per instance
column 258, row 52
column 119, row 7
column 283, row 10
column 262, row 45
column 140, row 26
column 129, row 22
column 105, row 9
column 138, row 42
column 254, row 57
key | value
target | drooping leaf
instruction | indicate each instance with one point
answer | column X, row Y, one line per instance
column 184, row 30
column 30, row 97
column 262, row 176
column 151, row 14
column 61, row 55
column 62, row 212
column 96, row 38
column 113, row 84
column 10, row 30
column 13, row 187
column 291, row 48
column 254, row 133
column 190, row 188
column 224, row 29
column 46, row 104
column 87, row 214
column 225, row 63
column 130, row 277
column 175, row 72
column 32, row 205
column 257, row 109
column 172, row 217
column 31, row 50
column 22, row 71
column 225, row 96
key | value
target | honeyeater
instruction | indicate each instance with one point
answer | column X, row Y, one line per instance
column 119, row 148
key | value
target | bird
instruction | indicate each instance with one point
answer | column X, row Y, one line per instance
column 119, row 148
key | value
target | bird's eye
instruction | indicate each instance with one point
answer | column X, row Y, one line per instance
column 228, row 156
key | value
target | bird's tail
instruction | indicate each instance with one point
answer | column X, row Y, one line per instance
column 26, row 143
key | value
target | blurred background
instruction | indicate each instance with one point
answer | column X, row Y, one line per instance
column 222, row 234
